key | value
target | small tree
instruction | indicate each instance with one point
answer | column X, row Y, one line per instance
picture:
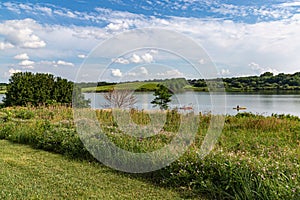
column 78, row 100
column 120, row 98
column 162, row 97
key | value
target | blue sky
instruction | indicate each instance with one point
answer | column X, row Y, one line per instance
column 240, row 37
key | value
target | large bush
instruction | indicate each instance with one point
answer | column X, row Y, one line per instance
column 28, row 88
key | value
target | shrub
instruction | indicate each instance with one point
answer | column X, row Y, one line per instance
column 24, row 114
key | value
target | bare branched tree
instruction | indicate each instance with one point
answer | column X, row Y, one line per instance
column 120, row 98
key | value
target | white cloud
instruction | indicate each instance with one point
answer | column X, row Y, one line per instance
column 136, row 58
column 225, row 72
column 121, row 61
column 13, row 71
column 5, row 45
column 144, row 71
column 202, row 61
column 153, row 51
column 81, row 56
column 22, row 56
column 28, row 67
column 116, row 73
column 46, row 10
column 259, row 70
column 291, row 4
column 141, row 72
column 20, row 33
column 12, row 7
column 171, row 74
column 232, row 44
column 26, row 63
column 117, row 26
column 65, row 13
column 148, row 58
column 25, row 7
column 145, row 58
column 64, row 63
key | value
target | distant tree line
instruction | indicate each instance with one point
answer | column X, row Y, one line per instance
column 35, row 89
column 266, row 81
column 93, row 84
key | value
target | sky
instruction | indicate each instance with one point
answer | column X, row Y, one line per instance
column 97, row 40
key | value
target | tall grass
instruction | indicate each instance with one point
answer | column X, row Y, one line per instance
column 256, row 157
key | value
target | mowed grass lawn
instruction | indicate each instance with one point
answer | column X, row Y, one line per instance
column 28, row 173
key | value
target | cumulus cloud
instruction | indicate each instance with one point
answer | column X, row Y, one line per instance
column 64, row 63
column 259, row 70
column 55, row 63
column 26, row 63
column 230, row 43
column 22, row 56
column 116, row 73
column 117, row 26
column 20, row 33
column 148, row 58
column 5, row 45
column 145, row 58
column 136, row 58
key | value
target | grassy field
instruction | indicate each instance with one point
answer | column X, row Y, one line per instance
column 137, row 86
column 34, row 174
column 256, row 157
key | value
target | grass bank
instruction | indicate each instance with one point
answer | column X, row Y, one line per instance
column 256, row 157
column 137, row 86
column 34, row 174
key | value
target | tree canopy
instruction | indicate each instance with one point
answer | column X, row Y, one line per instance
column 28, row 88
column 162, row 97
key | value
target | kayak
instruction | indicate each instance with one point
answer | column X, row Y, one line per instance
column 240, row 108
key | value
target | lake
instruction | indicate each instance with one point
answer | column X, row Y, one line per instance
column 264, row 104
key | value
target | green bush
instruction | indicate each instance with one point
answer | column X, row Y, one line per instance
column 24, row 114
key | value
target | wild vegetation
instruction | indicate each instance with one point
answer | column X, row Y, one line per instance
column 256, row 157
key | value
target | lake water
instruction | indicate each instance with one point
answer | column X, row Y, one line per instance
column 264, row 104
